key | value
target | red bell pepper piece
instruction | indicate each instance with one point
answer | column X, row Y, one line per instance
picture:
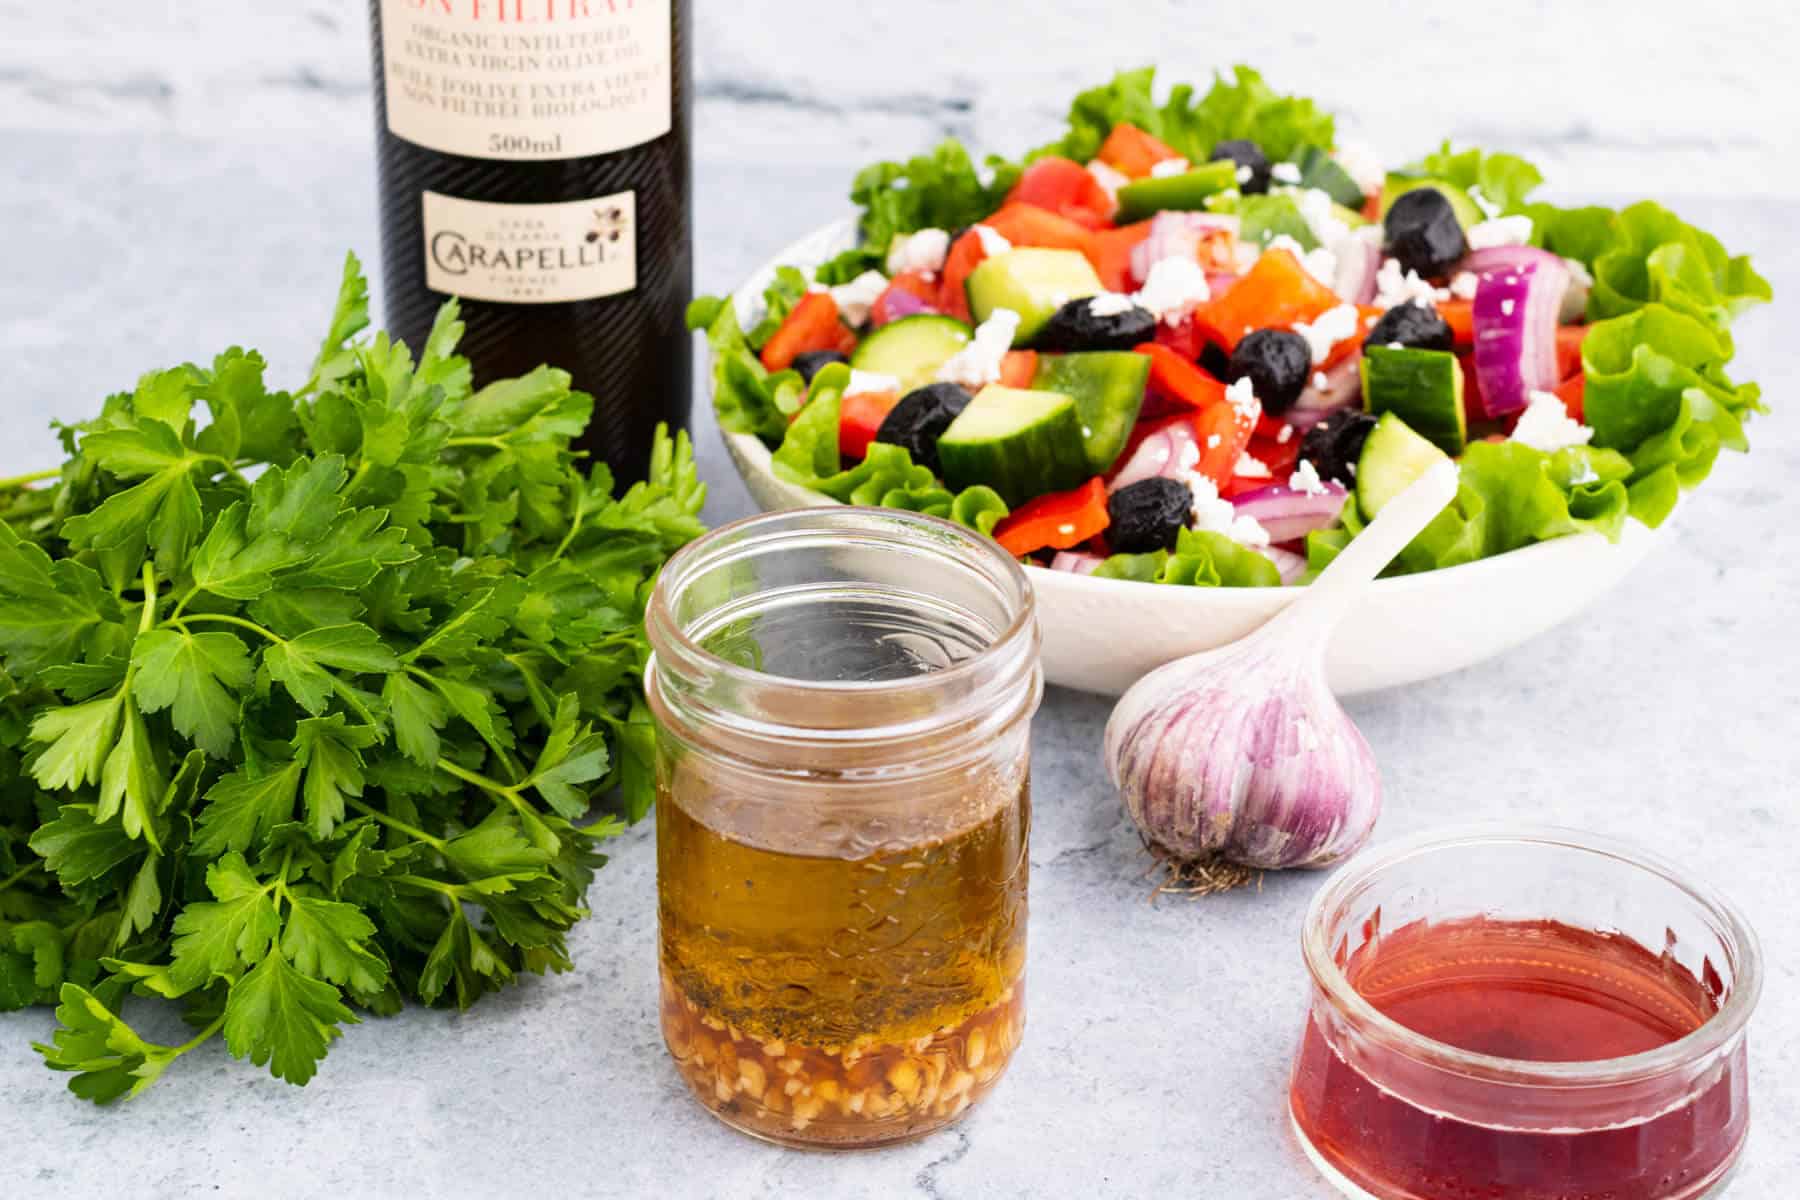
column 1224, row 433
column 1028, row 225
column 1066, row 188
column 1175, row 378
column 1279, row 456
column 1055, row 521
column 1568, row 349
column 1018, row 368
column 966, row 253
column 813, row 325
column 1573, row 393
column 859, row 420
column 1111, row 254
column 1184, row 337
column 1131, row 151
column 1459, row 315
column 1371, row 208
column 1277, row 293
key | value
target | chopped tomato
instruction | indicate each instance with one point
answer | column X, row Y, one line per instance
column 1239, row 485
column 1175, row 378
column 895, row 302
column 1183, row 337
column 1459, row 315
column 1474, row 407
column 1018, row 368
column 966, row 253
column 1224, row 434
column 859, row 420
column 1111, row 254
column 1276, row 293
column 1028, row 225
column 1131, row 151
column 1066, row 188
column 1372, row 206
column 1056, row 521
column 1568, row 349
column 813, row 325
column 1573, row 393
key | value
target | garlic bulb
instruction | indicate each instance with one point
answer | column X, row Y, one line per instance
column 1242, row 753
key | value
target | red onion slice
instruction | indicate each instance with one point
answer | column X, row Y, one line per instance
column 1516, row 310
column 1075, row 562
column 1358, row 263
column 1290, row 515
column 1176, row 235
column 1343, row 387
column 1292, row 566
column 1170, row 453
column 902, row 303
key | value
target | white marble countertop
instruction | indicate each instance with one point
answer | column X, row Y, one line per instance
column 1160, row 1033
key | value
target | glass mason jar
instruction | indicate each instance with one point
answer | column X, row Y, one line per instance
column 842, row 699
column 1543, row 946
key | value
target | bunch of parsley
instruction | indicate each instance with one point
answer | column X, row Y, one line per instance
column 300, row 703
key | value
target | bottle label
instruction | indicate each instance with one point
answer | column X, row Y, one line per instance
column 528, row 80
column 531, row 253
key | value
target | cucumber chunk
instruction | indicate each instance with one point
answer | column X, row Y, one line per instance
column 1467, row 211
column 1022, row 443
column 1319, row 170
column 1392, row 460
column 1032, row 282
column 1424, row 388
column 1108, row 389
column 912, row 348
column 1186, row 192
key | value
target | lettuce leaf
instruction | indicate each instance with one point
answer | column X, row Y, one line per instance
column 1503, row 180
column 1511, row 496
column 1200, row 559
column 746, row 397
column 1657, row 258
column 1240, row 105
column 887, row 478
column 779, row 298
column 939, row 190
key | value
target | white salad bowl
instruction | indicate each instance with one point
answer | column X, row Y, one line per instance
column 1103, row 635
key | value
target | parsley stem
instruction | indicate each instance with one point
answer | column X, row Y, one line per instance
column 19, row 874
column 428, row 885
column 480, row 781
column 227, row 619
column 148, row 620
column 562, row 547
column 411, row 831
column 18, row 481
column 492, row 443
column 203, row 1036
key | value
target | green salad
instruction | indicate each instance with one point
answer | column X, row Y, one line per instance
column 1199, row 340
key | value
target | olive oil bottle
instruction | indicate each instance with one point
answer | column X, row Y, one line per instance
column 534, row 164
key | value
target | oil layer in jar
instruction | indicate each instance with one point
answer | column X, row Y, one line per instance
column 842, row 1001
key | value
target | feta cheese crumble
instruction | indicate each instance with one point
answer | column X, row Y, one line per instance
column 1243, row 398
column 1110, row 304
column 1507, row 306
column 1320, row 382
column 1109, row 177
column 1169, row 167
column 870, row 383
column 1546, row 425
column 978, row 364
column 1245, row 175
column 993, row 244
column 855, row 298
column 1251, row 467
column 1332, row 327
column 1285, row 172
column 1362, row 164
column 1495, row 232
column 1321, row 264
column 1305, row 479
column 1321, row 217
column 1394, row 286
column 921, row 251
column 1173, row 287
column 1465, row 285
column 1213, row 514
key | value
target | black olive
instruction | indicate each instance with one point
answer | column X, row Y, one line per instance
column 1214, row 361
column 1424, row 234
column 919, row 420
column 1415, row 326
column 813, row 361
column 1278, row 363
column 1148, row 515
column 1075, row 326
column 1334, row 445
column 1245, row 153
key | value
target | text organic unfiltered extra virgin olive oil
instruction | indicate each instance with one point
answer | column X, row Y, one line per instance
column 534, row 164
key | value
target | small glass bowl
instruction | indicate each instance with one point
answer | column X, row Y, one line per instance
column 1386, row 1113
